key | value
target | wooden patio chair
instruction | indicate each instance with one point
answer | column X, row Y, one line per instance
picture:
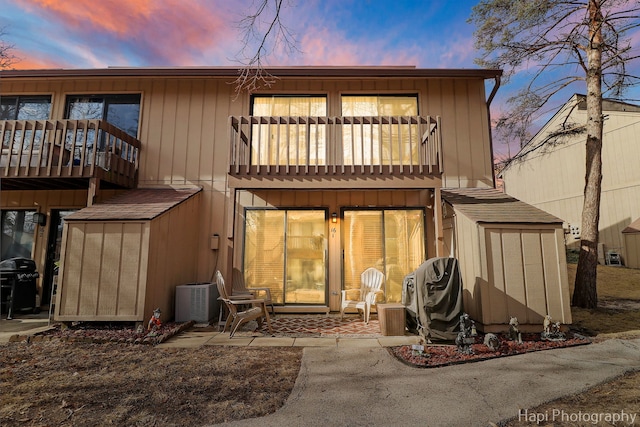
column 371, row 281
column 241, row 310
column 240, row 288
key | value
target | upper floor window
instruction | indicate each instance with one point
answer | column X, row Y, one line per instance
column 291, row 106
column 293, row 141
column 122, row 111
column 25, row 107
column 387, row 137
column 35, row 107
column 379, row 105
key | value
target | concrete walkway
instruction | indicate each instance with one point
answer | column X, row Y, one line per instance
column 356, row 382
column 196, row 337
column 339, row 386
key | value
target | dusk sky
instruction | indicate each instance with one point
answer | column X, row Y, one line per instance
column 138, row 33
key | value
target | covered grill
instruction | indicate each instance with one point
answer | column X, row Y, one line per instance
column 18, row 285
column 432, row 295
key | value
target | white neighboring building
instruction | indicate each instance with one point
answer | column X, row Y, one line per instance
column 549, row 171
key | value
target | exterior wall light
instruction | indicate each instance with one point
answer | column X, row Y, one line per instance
column 40, row 219
column 334, row 217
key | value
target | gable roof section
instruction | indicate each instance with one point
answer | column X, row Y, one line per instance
column 139, row 204
column 634, row 227
column 576, row 102
column 492, row 206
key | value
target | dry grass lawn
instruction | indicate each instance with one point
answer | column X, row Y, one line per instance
column 617, row 316
column 73, row 384
column 70, row 384
column 618, row 312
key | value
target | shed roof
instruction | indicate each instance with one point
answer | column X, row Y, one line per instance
column 634, row 227
column 138, row 204
column 492, row 206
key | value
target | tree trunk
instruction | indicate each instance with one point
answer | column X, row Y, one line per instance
column 585, row 294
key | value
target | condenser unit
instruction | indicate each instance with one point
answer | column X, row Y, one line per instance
column 197, row 302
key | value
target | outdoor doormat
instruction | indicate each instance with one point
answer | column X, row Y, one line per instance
column 322, row 326
column 435, row 356
column 103, row 332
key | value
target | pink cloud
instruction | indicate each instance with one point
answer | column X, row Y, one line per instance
column 26, row 61
column 325, row 46
column 161, row 32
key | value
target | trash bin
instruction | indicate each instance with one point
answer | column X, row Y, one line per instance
column 18, row 285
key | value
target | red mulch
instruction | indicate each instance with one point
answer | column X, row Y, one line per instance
column 445, row 355
column 117, row 332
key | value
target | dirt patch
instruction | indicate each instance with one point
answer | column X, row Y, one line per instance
column 71, row 383
column 444, row 355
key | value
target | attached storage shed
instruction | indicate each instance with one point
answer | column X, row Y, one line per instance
column 127, row 255
column 512, row 259
column 631, row 240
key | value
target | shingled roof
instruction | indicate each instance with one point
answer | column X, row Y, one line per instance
column 492, row 206
column 139, row 204
column 634, row 227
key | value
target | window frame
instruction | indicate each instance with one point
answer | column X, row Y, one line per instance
column 107, row 99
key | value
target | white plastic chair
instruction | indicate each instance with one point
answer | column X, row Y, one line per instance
column 371, row 281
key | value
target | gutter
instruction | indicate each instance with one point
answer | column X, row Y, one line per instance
column 491, row 96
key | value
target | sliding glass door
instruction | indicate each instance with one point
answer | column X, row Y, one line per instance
column 392, row 240
column 285, row 250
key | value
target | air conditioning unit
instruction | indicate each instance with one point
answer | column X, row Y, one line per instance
column 197, row 302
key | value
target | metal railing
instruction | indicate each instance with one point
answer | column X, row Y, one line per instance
column 277, row 145
column 66, row 148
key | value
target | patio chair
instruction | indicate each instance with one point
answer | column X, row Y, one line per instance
column 241, row 310
column 240, row 288
column 371, row 281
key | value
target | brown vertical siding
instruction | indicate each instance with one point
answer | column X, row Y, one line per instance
column 184, row 132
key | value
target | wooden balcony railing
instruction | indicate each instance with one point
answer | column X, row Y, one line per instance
column 42, row 149
column 281, row 146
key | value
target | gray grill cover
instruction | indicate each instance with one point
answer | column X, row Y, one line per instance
column 432, row 295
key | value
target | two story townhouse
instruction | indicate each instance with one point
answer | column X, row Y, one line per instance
column 123, row 183
column 554, row 159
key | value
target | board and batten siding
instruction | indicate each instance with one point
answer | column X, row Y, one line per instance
column 184, row 130
column 631, row 237
column 512, row 270
column 632, row 249
column 121, row 270
column 117, row 254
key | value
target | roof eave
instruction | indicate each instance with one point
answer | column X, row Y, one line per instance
column 324, row 72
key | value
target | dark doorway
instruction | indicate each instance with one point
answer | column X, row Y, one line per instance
column 54, row 244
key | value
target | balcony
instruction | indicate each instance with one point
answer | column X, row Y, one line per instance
column 321, row 151
column 66, row 154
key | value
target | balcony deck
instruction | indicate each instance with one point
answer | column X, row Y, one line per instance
column 62, row 154
column 335, row 152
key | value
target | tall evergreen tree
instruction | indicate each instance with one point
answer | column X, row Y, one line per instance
column 580, row 41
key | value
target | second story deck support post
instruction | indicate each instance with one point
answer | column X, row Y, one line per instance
column 438, row 223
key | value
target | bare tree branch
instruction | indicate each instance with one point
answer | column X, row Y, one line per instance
column 263, row 32
column 7, row 58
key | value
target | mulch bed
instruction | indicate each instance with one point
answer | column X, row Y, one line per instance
column 105, row 332
column 445, row 355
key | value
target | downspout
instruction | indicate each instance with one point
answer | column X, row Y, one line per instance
column 491, row 95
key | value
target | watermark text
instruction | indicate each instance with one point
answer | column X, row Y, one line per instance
column 560, row 415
